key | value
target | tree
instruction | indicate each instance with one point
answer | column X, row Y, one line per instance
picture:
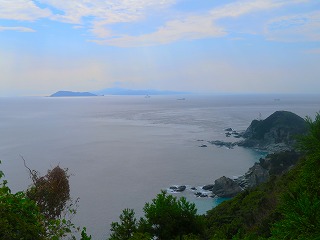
column 41, row 212
column 51, row 192
column 300, row 206
column 171, row 217
column 166, row 217
column 310, row 143
column 126, row 228
column 20, row 217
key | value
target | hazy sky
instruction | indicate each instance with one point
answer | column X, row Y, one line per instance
column 189, row 45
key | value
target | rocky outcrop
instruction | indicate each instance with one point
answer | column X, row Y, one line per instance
column 219, row 143
column 276, row 133
column 178, row 188
column 208, row 187
column 260, row 172
column 225, row 187
column 255, row 176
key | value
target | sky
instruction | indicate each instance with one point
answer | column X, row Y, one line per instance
column 205, row 46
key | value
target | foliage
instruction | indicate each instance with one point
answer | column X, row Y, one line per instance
column 251, row 212
column 84, row 235
column 166, row 217
column 286, row 207
column 126, row 228
column 20, row 217
column 310, row 143
column 51, row 192
column 300, row 206
column 170, row 217
column 301, row 217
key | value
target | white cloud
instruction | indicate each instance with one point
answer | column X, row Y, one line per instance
column 193, row 26
column 99, row 16
column 23, row 10
column 239, row 8
column 112, row 11
column 295, row 28
column 18, row 29
column 103, row 13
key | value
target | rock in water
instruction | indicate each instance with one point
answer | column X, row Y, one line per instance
column 178, row 188
column 225, row 187
column 208, row 187
column 181, row 188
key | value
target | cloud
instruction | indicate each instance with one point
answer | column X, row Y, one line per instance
column 112, row 11
column 99, row 18
column 98, row 15
column 18, row 29
column 295, row 28
column 192, row 26
column 22, row 10
column 239, row 8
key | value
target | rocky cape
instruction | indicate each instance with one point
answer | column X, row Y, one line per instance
column 277, row 135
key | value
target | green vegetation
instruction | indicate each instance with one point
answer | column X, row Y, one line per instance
column 166, row 217
column 20, row 217
column 41, row 212
column 300, row 206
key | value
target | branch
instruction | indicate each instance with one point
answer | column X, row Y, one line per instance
column 32, row 173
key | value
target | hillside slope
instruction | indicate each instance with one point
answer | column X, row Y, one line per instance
column 285, row 207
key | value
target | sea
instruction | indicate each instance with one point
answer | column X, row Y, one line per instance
column 121, row 151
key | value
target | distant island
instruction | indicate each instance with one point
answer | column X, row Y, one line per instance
column 72, row 94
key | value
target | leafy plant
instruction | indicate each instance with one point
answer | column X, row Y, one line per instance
column 166, row 217
column 20, row 217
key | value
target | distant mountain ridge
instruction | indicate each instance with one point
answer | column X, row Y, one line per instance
column 124, row 91
column 72, row 94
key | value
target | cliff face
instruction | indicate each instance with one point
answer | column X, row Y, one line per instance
column 277, row 132
column 274, row 164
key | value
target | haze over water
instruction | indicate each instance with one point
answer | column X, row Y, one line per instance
column 122, row 150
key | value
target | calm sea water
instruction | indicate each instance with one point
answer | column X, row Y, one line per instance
column 122, row 150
